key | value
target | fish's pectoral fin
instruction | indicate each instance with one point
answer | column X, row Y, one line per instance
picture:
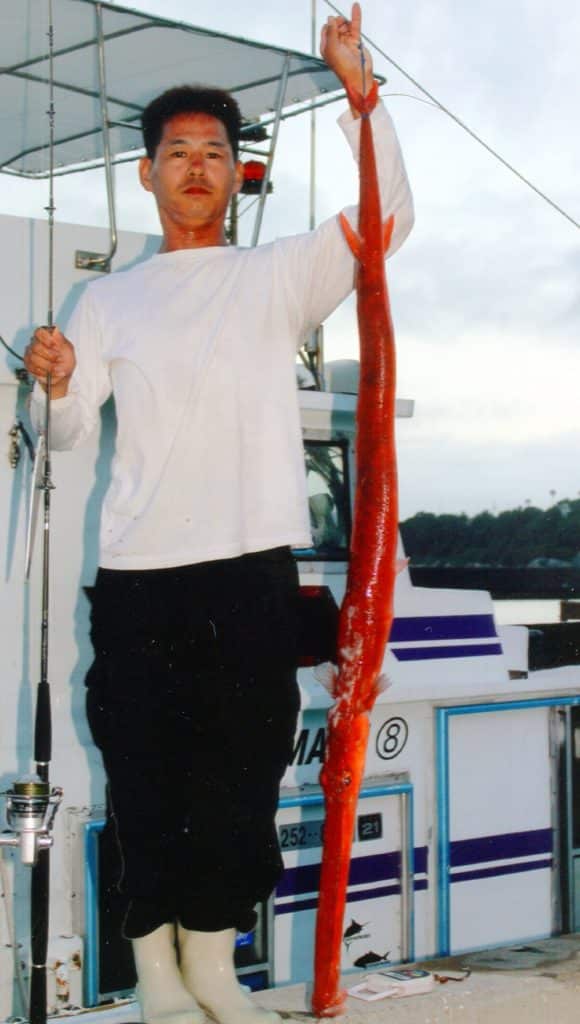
column 383, row 683
column 325, row 674
column 353, row 239
column 366, row 704
column 388, row 227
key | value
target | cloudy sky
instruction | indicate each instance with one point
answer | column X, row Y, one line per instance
column 486, row 292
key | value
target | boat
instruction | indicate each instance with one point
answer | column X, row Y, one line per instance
column 468, row 822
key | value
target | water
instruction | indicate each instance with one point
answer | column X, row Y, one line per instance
column 520, row 612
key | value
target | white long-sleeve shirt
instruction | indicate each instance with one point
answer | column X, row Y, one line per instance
column 199, row 348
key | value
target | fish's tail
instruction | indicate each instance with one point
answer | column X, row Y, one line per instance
column 364, row 104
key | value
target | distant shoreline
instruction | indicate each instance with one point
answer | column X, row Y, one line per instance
column 502, row 584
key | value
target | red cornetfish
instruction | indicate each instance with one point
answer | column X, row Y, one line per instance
column 366, row 611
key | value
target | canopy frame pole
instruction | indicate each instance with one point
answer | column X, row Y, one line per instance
column 91, row 260
column 312, row 196
column 313, row 357
column 275, row 129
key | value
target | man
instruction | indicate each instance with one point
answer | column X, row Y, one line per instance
column 192, row 696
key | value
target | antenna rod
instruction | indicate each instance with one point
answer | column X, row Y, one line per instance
column 312, row 219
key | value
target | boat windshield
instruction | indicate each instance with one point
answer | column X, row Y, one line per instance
column 328, row 499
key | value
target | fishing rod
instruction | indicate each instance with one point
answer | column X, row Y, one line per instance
column 40, row 881
column 31, row 803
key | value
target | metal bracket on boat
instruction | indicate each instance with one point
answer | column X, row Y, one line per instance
column 85, row 260
column 95, row 260
column 30, row 809
column 18, row 434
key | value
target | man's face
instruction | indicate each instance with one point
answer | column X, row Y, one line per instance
column 193, row 173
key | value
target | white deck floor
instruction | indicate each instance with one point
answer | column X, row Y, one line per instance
column 547, row 993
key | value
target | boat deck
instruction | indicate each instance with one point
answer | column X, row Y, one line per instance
column 535, row 983
column 526, row 983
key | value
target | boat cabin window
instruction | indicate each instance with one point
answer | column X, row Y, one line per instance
column 328, row 500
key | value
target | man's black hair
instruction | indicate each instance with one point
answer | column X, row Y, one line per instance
column 190, row 99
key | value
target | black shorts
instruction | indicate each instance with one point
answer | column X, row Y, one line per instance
column 192, row 699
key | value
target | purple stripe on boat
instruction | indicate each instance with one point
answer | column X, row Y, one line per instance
column 376, row 868
column 354, row 897
column 503, row 869
column 500, row 847
column 457, row 651
column 442, row 627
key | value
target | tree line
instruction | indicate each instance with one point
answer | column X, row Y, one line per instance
column 521, row 537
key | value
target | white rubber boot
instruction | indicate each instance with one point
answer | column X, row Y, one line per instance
column 207, row 966
column 161, row 993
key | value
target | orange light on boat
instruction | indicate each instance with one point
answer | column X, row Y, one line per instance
column 254, row 174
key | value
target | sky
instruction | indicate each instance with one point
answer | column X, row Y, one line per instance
column 486, row 291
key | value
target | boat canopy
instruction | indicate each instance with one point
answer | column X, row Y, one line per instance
column 109, row 62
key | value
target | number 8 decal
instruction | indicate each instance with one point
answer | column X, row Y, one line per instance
column 391, row 738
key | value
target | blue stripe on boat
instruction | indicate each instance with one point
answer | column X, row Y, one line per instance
column 354, row 897
column 375, row 868
column 442, row 627
column 502, row 869
column 500, row 847
column 457, row 651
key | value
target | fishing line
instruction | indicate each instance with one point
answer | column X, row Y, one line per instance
column 408, row 96
column 51, row 207
column 462, row 124
column 363, row 67
column 47, row 485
